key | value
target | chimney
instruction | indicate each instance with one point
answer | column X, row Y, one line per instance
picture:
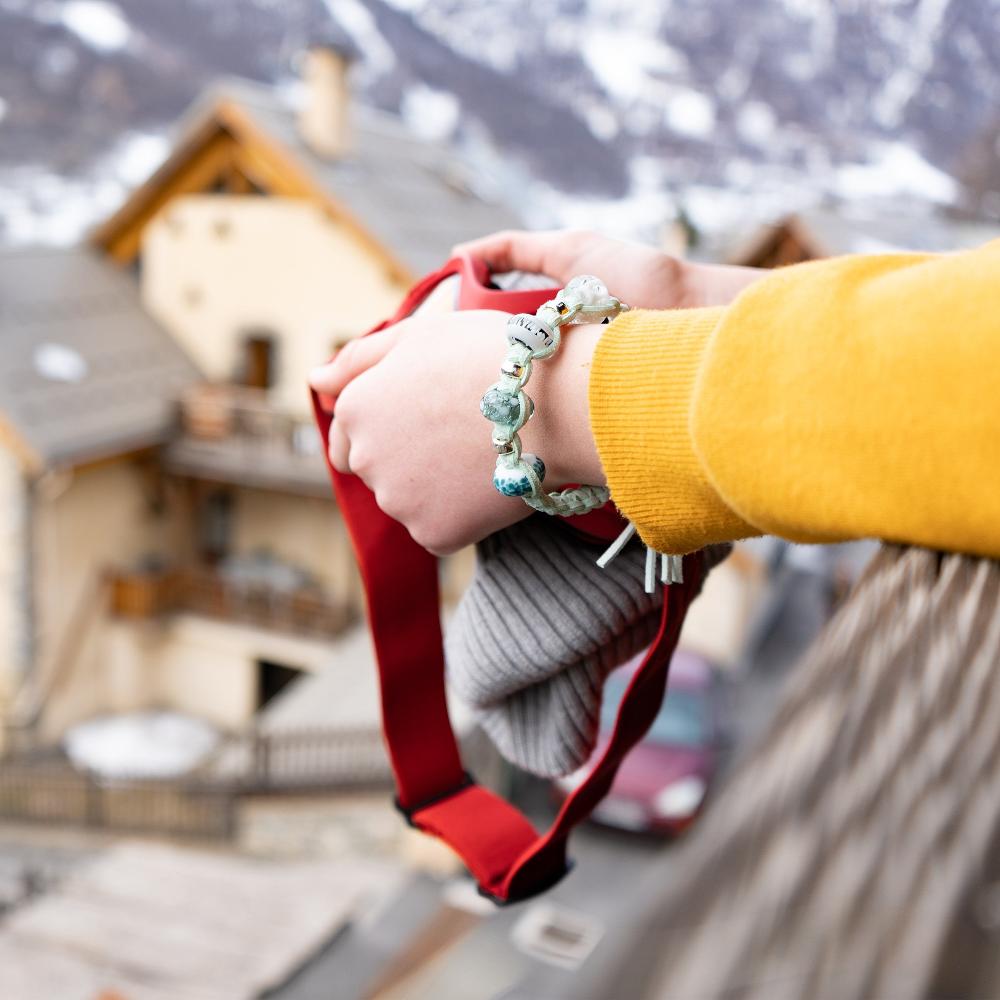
column 679, row 234
column 675, row 238
column 324, row 118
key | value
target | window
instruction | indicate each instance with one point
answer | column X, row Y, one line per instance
column 273, row 678
column 257, row 368
column 215, row 525
column 683, row 719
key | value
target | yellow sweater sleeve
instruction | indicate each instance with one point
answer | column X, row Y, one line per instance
column 849, row 398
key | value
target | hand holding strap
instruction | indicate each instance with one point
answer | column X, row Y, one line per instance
column 505, row 854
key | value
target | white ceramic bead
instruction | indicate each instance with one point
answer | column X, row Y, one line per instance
column 530, row 331
column 591, row 291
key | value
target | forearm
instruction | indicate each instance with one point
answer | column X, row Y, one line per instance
column 715, row 284
column 848, row 398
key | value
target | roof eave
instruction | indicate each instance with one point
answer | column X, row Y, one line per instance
column 225, row 116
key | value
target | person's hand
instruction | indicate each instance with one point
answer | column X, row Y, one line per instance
column 406, row 416
column 407, row 421
column 640, row 275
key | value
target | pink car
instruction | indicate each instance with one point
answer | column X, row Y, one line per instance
column 662, row 783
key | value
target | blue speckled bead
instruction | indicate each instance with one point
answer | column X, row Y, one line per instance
column 500, row 407
column 512, row 482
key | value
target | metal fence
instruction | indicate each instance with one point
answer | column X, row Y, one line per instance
column 300, row 760
column 204, row 804
column 56, row 793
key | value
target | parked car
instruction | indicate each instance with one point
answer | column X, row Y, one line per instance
column 662, row 783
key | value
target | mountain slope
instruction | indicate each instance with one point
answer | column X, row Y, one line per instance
column 732, row 108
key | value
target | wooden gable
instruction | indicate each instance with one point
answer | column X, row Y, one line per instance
column 227, row 151
column 787, row 242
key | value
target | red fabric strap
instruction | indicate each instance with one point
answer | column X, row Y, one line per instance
column 506, row 855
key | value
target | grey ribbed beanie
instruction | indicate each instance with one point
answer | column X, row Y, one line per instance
column 538, row 631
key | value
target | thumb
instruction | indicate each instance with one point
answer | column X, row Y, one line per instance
column 354, row 358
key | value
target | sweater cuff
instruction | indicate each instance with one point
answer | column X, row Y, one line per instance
column 642, row 383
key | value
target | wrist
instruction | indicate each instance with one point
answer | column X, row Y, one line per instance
column 560, row 429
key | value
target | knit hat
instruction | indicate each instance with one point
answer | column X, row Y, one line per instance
column 537, row 632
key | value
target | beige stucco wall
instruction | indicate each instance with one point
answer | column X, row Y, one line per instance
column 214, row 266
column 185, row 662
column 303, row 531
column 202, row 666
column 85, row 521
column 13, row 640
column 100, row 517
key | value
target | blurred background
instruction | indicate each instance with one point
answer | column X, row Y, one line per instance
column 201, row 199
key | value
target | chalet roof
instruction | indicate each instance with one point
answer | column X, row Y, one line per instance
column 415, row 198
column 84, row 371
column 342, row 694
column 238, row 926
column 829, row 232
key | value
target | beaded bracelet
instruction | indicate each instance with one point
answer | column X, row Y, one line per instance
column 532, row 338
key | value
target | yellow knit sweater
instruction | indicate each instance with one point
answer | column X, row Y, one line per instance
column 849, row 398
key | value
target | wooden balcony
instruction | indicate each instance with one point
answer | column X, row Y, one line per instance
column 302, row 610
column 234, row 434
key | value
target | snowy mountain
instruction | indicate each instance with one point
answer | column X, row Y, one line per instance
column 603, row 111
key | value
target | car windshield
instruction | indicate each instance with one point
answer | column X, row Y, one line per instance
column 682, row 721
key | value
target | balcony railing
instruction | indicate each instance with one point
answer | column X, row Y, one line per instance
column 234, row 434
column 45, row 787
column 295, row 760
column 302, row 610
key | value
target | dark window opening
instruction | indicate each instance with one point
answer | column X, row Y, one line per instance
column 257, row 367
column 215, row 521
column 273, row 678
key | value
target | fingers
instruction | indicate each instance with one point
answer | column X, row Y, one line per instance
column 355, row 357
column 331, row 379
column 518, row 250
column 339, row 448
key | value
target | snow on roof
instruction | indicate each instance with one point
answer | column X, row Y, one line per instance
column 153, row 744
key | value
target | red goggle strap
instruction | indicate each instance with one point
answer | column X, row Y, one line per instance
column 504, row 852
